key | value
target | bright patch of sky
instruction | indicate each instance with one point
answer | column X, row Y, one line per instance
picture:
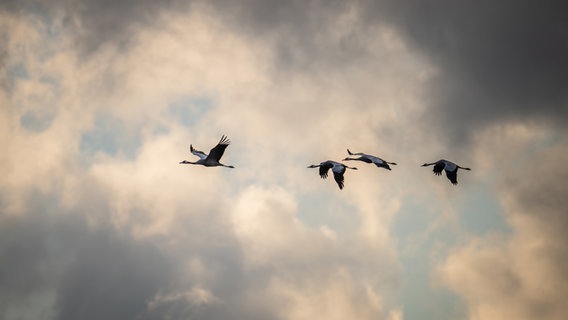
column 18, row 71
column 189, row 109
column 422, row 243
column 37, row 121
column 317, row 209
column 480, row 213
column 111, row 136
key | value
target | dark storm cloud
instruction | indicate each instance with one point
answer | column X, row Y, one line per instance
column 93, row 274
column 96, row 23
column 498, row 60
column 302, row 33
column 101, row 272
column 103, row 21
column 110, row 278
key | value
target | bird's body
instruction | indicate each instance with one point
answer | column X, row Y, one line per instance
column 370, row 159
column 211, row 160
column 448, row 166
column 337, row 168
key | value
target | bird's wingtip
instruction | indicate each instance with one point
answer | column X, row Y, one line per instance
column 224, row 140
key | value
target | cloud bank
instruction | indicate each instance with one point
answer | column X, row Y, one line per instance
column 100, row 100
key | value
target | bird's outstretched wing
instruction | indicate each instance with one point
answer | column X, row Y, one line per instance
column 452, row 176
column 382, row 164
column 366, row 158
column 438, row 168
column 324, row 168
column 198, row 153
column 339, row 178
column 217, row 152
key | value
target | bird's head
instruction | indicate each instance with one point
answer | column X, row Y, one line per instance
column 425, row 165
column 313, row 166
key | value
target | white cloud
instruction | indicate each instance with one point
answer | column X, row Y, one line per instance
column 333, row 294
column 520, row 275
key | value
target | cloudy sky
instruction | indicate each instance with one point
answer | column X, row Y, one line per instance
column 99, row 101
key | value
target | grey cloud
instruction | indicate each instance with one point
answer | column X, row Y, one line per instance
column 93, row 274
column 539, row 196
column 497, row 60
column 522, row 276
column 301, row 32
column 111, row 278
column 99, row 22
column 96, row 271
column 105, row 21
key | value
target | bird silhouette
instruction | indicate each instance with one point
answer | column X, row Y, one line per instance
column 337, row 168
column 211, row 160
column 369, row 159
column 448, row 166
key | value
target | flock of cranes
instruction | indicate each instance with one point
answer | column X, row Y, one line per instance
column 212, row 160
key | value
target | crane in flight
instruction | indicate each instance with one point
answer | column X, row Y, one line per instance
column 337, row 168
column 370, row 159
column 212, row 159
column 448, row 166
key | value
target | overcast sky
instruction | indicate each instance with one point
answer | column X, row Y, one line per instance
column 100, row 100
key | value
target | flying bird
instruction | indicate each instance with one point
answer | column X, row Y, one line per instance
column 337, row 168
column 448, row 166
column 211, row 160
column 370, row 159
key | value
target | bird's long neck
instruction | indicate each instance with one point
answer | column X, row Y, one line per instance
column 463, row 168
column 354, row 153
